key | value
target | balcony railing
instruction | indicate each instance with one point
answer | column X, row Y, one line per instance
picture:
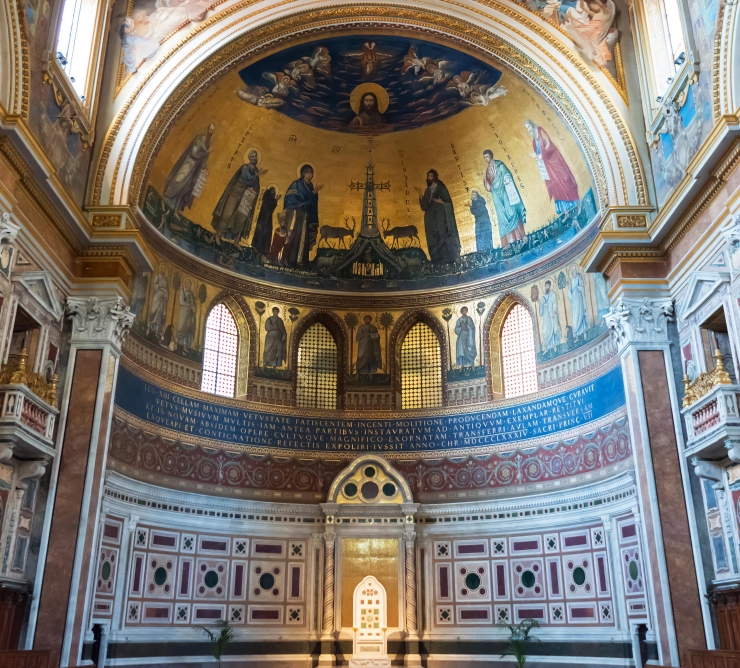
column 712, row 413
column 28, row 409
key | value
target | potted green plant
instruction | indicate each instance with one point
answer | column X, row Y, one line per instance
column 220, row 637
column 519, row 640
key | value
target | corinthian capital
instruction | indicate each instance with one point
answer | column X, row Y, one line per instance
column 732, row 232
column 104, row 320
column 640, row 321
column 8, row 230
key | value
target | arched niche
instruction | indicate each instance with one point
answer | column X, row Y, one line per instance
column 369, row 470
column 492, row 328
column 336, row 329
column 398, row 334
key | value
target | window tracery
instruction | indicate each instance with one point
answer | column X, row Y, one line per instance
column 317, row 369
column 517, row 353
column 421, row 369
column 220, row 352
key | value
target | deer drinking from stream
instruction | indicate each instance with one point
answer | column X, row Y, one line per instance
column 329, row 232
column 400, row 232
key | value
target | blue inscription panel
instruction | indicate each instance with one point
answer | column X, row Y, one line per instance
column 194, row 418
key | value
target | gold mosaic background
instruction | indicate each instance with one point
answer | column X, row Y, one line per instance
column 370, row 556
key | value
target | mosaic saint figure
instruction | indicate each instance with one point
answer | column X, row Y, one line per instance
column 602, row 294
column 275, row 338
column 440, row 225
column 368, row 115
column 301, row 205
column 232, row 217
column 550, row 318
column 507, row 202
column 278, row 238
column 465, row 350
column 483, row 232
column 186, row 179
column 559, row 180
column 138, row 295
column 187, row 315
column 577, row 295
column 263, row 229
column 160, row 299
column 368, row 348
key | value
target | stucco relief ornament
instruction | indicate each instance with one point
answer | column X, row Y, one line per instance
column 8, row 230
column 732, row 232
column 96, row 319
column 639, row 320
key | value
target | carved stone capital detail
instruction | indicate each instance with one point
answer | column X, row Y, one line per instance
column 8, row 230
column 731, row 233
column 94, row 319
column 640, row 321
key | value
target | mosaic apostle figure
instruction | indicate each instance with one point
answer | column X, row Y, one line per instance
column 551, row 331
column 465, row 350
column 368, row 348
column 559, row 180
column 187, row 177
column 440, row 226
column 160, row 299
column 187, row 316
column 507, row 202
column 577, row 295
column 301, row 205
column 275, row 338
column 232, row 217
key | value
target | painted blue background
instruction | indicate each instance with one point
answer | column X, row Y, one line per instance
column 200, row 419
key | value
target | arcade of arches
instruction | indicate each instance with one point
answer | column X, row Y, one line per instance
column 369, row 335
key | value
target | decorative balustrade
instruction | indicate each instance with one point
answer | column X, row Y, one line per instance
column 713, row 423
column 28, row 409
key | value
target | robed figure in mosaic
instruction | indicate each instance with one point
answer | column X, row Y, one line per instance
column 440, row 226
column 554, row 171
column 465, row 350
column 187, row 317
column 507, row 202
column 275, row 338
column 483, row 231
column 368, row 347
column 301, row 205
column 186, row 179
column 263, row 229
column 232, row 217
column 550, row 318
column 577, row 294
column 160, row 300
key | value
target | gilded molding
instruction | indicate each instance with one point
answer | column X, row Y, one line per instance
column 705, row 382
column 465, row 30
column 106, row 220
column 631, row 221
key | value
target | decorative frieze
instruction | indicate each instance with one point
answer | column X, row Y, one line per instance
column 640, row 321
column 97, row 320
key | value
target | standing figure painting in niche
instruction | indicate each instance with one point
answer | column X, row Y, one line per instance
column 186, row 318
column 550, row 318
column 138, row 295
column 507, row 202
column 577, row 295
column 483, row 231
column 302, row 218
column 368, row 348
column 275, row 338
column 560, row 182
column 160, row 299
column 465, row 350
column 186, row 179
column 232, row 217
column 263, row 229
column 440, row 225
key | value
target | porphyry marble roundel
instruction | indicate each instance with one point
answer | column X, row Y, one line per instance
column 371, row 163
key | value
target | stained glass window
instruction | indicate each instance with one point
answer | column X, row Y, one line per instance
column 219, row 353
column 517, row 351
column 316, row 385
column 421, row 369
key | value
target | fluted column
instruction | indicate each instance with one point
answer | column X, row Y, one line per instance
column 327, row 657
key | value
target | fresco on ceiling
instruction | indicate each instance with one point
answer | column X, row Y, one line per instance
column 688, row 120
column 590, row 24
column 147, row 24
column 402, row 182
column 567, row 308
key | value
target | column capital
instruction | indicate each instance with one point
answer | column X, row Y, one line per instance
column 640, row 321
column 8, row 230
column 99, row 320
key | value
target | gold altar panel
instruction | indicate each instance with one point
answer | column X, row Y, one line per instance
column 370, row 556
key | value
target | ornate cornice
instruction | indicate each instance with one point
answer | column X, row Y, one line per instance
column 640, row 321
column 96, row 320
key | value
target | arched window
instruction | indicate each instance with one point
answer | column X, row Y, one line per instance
column 517, row 353
column 219, row 352
column 316, row 381
column 421, row 369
